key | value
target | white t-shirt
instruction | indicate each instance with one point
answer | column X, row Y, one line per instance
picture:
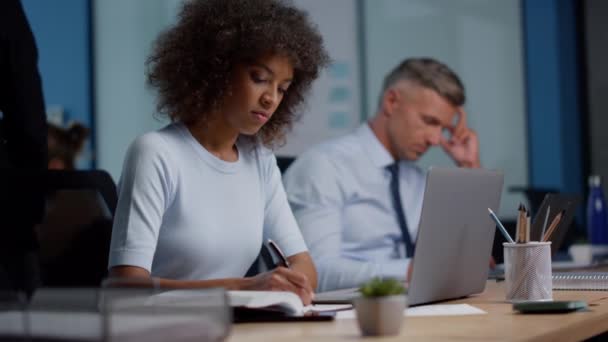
column 185, row 214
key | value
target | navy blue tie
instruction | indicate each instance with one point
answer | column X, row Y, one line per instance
column 409, row 246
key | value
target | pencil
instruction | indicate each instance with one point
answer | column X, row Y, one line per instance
column 517, row 223
column 519, row 237
column 527, row 227
column 553, row 225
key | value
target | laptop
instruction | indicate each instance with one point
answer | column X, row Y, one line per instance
column 455, row 237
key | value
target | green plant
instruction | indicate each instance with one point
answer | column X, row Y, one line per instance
column 378, row 287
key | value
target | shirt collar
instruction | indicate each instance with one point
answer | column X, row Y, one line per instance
column 378, row 154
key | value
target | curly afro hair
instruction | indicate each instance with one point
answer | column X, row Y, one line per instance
column 192, row 62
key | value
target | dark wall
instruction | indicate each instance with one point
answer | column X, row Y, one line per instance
column 555, row 155
column 596, row 50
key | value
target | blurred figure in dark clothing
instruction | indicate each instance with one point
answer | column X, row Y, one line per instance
column 23, row 149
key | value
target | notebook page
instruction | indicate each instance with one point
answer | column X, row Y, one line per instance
column 327, row 307
column 286, row 301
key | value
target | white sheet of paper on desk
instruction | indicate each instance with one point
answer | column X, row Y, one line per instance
column 428, row 310
column 444, row 310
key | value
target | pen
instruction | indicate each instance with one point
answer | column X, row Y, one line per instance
column 500, row 226
column 277, row 251
column 542, row 233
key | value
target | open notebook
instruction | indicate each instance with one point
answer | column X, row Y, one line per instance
column 286, row 302
column 262, row 306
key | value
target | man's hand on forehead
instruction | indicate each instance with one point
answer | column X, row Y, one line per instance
column 460, row 126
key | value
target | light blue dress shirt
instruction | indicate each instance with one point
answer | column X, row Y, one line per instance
column 340, row 194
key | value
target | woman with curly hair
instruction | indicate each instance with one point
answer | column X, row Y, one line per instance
column 198, row 197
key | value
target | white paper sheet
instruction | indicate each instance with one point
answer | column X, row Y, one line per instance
column 428, row 310
column 444, row 310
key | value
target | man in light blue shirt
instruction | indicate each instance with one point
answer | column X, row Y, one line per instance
column 358, row 221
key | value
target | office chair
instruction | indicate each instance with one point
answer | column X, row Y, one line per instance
column 75, row 233
column 284, row 162
column 98, row 180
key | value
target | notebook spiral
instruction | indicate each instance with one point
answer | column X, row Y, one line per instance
column 590, row 281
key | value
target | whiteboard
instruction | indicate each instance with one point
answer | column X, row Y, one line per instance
column 333, row 107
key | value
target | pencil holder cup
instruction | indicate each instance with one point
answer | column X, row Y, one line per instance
column 528, row 271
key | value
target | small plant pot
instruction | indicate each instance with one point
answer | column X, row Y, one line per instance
column 379, row 316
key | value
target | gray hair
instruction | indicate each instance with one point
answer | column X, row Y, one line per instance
column 428, row 73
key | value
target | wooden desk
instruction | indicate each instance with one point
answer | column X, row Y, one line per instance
column 500, row 323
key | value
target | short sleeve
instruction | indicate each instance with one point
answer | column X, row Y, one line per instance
column 144, row 194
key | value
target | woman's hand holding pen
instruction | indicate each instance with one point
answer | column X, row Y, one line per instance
column 281, row 279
